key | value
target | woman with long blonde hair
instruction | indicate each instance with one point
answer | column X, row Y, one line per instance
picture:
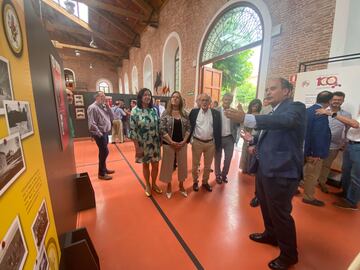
column 175, row 132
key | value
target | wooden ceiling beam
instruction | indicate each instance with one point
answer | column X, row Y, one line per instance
column 143, row 5
column 113, row 9
column 88, row 59
column 106, row 38
column 60, row 45
column 81, row 23
column 129, row 33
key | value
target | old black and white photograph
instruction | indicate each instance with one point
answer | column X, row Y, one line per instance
column 80, row 113
column 40, row 226
column 6, row 92
column 13, row 250
column 18, row 118
column 42, row 262
column 12, row 162
column 79, row 100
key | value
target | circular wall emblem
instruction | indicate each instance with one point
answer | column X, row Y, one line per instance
column 12, row 28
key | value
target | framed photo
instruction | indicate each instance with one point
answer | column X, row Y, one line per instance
column 40, row 226
column 60, row 96
column 80, row 113
column 12, row 28
column 13, row 250
column 18, row 118
column 52, row 254
column 12, row 163
column 6, row 92
column 42, row 262
column 78, row 100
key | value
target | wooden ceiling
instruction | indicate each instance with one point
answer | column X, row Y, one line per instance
column 114, row 25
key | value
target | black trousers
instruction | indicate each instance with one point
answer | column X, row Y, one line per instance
column 102, row 143
column 275, row 196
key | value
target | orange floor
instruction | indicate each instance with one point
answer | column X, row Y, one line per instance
column 205, row 230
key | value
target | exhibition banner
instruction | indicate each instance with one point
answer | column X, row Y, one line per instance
column 28, row 238
column 344, row 79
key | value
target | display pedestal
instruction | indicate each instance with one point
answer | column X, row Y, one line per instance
column 85, row 192
column 78, row 251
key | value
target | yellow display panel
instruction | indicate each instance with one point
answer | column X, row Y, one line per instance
column 28, row 238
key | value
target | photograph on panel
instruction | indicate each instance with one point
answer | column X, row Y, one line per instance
column 79, row 100
column 5, row 83
column 40, row 226
column 12, row 162
column 18, row 118
column 42, row 262
column 80, row 113
column 13, row 250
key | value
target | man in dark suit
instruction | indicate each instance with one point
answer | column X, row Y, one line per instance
column 279, row 148
column 228, row 138
column 206, row 138
column 317, row 144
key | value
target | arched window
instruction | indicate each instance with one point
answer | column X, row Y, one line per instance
column 148, row 73
column 177, row 71
column 126, row 83
column 134, row 80
column 104, row 85
column 238, row 28
column 172, row 62
column 70, row 80
column 120, row 86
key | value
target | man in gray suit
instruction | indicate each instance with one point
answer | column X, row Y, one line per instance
column 228, row 138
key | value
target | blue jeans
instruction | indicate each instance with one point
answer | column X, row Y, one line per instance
column 351, row 173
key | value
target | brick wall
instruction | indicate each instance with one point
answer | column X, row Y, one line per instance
column 86, row 77
column 306, row 35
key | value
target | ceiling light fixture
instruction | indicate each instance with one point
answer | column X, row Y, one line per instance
column 77, row 52
column 91, row 66
column 92, row 43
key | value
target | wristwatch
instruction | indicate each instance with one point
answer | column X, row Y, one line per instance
column 334, row 115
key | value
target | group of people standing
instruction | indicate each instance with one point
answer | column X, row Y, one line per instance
column 277, row 144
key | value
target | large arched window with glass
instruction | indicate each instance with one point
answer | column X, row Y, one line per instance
column 238, row 28
column 230, row 53
column 126, row 84
column 104, row 85
column 134, row 80
column 171, row 76
column 177, row 71
column 148, row 73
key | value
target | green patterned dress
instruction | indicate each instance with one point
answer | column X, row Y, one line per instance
column 145, row 128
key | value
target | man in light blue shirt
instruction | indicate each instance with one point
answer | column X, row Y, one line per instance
column 117, row 126
column 100, row 117
column 338, row 136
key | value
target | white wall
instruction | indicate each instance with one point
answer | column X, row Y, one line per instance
column 346, row 31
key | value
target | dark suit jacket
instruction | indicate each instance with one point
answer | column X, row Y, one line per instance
column 280, row 145
column 318, row 134
column 216, row 124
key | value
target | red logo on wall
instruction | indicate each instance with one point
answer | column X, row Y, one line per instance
column 326, row 81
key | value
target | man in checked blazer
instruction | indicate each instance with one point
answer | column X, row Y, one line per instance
column 205, row 131
column 279, row 149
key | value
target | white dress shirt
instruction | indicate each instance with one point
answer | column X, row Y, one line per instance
column 204, row 125
column 250, row 120
column 353, row 134
column 225, row 124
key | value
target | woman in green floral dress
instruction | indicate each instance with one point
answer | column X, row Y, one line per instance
column 144, row 131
